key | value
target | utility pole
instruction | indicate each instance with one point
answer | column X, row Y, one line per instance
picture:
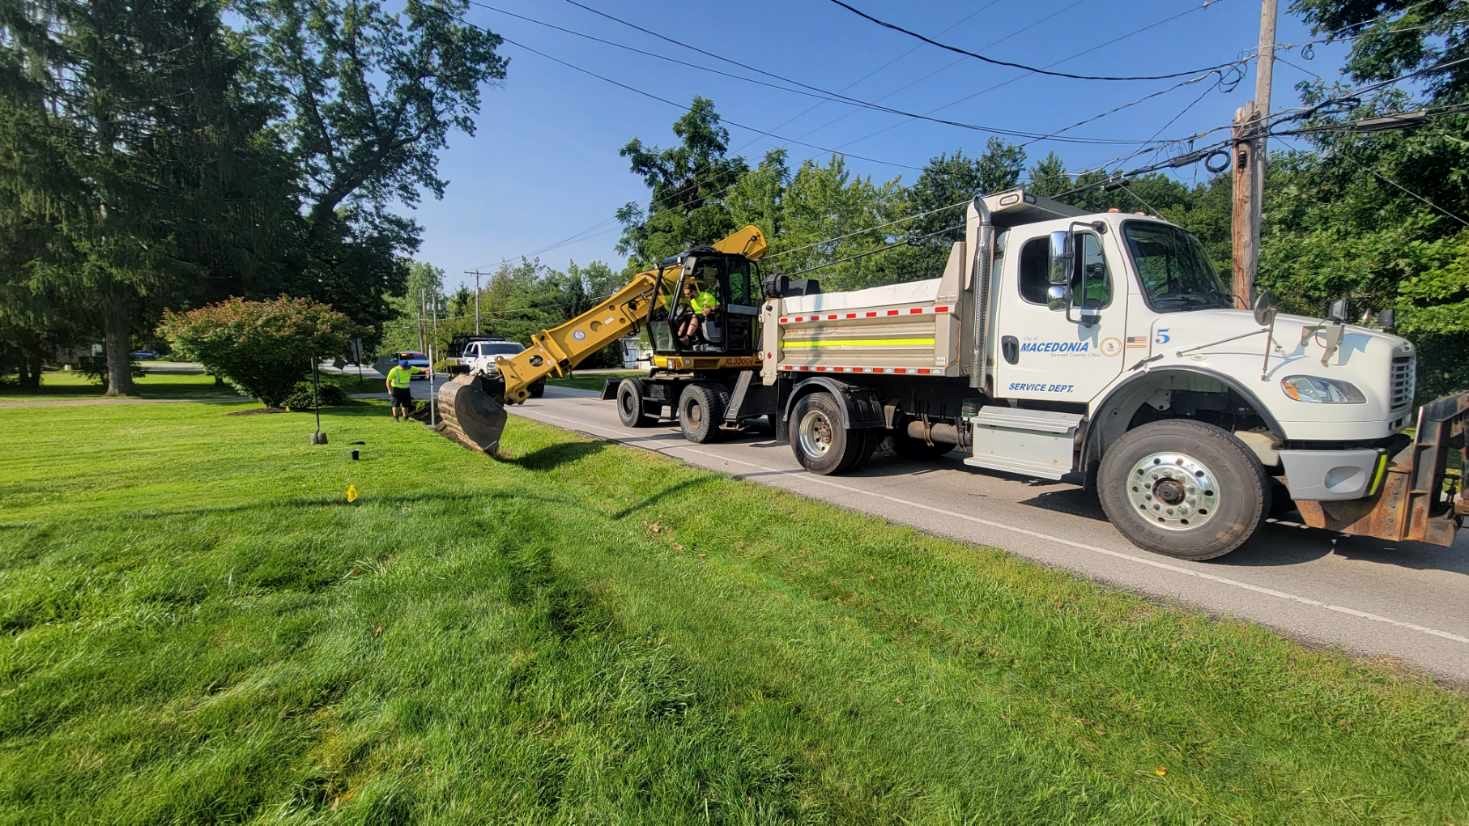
column 433, row 398
column 1250, row 124
column 476, row 274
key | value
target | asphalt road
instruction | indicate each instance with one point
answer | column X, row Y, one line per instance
column 1409, row 602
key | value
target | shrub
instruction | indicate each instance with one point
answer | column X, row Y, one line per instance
column 261, row 347
column 300, row 398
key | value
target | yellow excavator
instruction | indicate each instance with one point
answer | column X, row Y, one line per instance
column 471, row 408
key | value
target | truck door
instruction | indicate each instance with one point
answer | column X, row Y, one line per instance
column 1069, row 353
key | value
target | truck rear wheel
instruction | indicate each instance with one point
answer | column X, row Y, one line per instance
column 701, row 409
column 630, row 404
column 818, row 439
column 1183, row 488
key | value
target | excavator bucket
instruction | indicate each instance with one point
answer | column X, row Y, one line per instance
column 471, row 413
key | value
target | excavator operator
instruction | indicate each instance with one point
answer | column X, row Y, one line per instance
column 700, row 303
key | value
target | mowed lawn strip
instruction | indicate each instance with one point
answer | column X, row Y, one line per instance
column 61, row 385
column 196, row 625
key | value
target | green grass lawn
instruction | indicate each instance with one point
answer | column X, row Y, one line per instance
column 60, row 385
column 195, row 626
column 74, row 385
column 595, row 381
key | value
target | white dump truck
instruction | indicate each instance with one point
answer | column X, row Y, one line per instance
column 1100, row 349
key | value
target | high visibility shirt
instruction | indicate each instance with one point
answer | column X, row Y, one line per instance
column 703, row 302
column 401, row 376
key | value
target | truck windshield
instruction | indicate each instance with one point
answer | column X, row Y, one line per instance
column 1175, row 272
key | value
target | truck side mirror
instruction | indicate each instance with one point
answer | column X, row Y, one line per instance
column 1058, row 297
column 1338, row 311
column 1387, row 320
column 1264, row 308
column 1062, row 254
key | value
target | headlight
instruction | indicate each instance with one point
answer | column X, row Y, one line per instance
column 1321, row 391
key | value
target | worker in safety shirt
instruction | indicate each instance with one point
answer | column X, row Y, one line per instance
column 701, row 303
column 400, row 389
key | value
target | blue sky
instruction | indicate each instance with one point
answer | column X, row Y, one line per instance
column 543, row 165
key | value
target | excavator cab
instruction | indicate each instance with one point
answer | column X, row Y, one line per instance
column 729, row 329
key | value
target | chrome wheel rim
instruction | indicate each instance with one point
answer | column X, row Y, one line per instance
column 815, row 433
column 1174, row 491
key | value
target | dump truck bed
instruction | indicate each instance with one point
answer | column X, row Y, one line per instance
column 911, row 328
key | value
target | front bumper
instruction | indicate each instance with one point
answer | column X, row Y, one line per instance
column 1410, row 501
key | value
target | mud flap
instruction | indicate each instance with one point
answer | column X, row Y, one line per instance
column 1411, row 503
column 471, row 413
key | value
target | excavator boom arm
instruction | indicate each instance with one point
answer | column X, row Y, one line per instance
column 555, row 351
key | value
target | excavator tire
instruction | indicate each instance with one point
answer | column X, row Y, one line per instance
column 630, row 404
column 701, row 409
column 470, row 413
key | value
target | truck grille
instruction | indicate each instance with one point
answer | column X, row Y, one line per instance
column 1402, row 379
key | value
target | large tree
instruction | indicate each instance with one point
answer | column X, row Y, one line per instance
column 950, row 179
column 151, row 157
column 1378, row 217
column 686, row 185
column 368, row 99
column 127, row 143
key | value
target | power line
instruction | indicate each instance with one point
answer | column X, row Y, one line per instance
column 1299, row 67
column 1011, row 64
column 864, row 230
column 875, row 251
column 1218, row 84
column 734, row 123
column 873, row 72
column 1379, row 176
column 955, row 62
column 1389, row 181
column 995, row 86
column 1331, row 34
column 1148, row 145
column 1160, row 147
column 812, row 91
column 610, row 224
column 602, row 227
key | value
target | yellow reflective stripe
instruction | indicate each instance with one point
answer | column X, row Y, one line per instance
column 856, row 342
column 1378, row 474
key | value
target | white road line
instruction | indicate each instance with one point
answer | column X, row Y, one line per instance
column 1152, row 563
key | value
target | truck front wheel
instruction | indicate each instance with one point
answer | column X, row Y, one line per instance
column 1183, row 488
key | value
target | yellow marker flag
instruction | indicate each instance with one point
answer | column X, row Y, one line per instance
column 351, row 493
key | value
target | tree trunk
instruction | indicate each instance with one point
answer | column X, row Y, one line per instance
column 31, row 371
column 117, row 341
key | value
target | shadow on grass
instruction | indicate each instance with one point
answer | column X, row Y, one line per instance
column 553, row 456
column 671, row 490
